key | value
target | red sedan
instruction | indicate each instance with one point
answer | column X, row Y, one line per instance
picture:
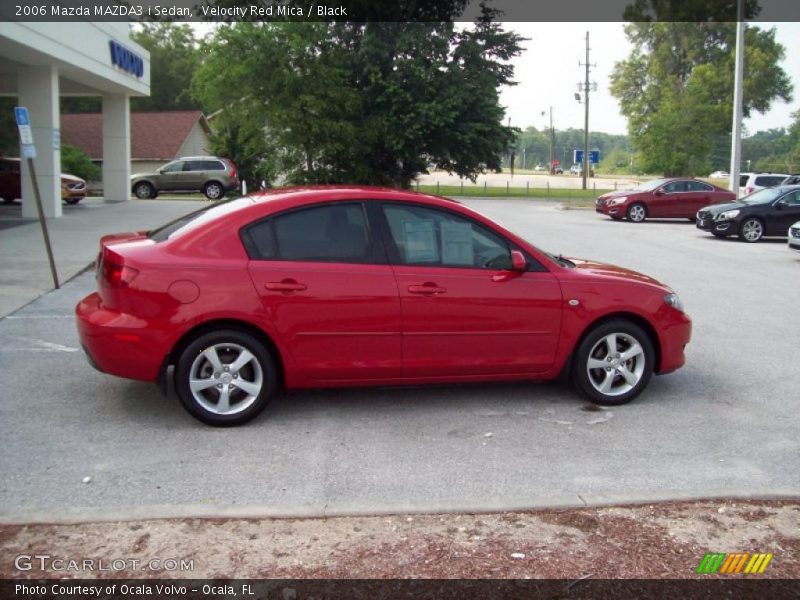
column 356, row 286
column 662, row 198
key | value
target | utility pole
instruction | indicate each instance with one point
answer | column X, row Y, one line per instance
column 587, row 86
column 736, row 130
column 552, row 142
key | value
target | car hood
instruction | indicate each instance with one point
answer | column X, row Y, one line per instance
column 715, row 209
column 71, row 178
column 619, row 193
column 613, row 271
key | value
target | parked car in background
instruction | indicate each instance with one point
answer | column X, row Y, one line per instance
column 558, row 170
column 354, row 286
column 791, row 180
column 575, row 170
column 211, row 175
column 752, row 182
column 794, row 236
column 770, row 211
column 675, row 198
column 719, row 175
column 73, row 189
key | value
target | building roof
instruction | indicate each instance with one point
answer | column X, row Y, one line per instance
column 154, row 135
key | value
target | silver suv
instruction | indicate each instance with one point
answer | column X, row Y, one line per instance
column 752, row 182
column 211, row 175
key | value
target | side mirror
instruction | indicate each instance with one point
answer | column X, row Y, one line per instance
column 659, row 192
column 518, row 262
column 781, row 204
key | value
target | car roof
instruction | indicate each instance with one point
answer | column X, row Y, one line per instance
column 321, row 193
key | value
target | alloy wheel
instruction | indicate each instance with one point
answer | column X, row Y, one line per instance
column 225, row 379
column 616, row 364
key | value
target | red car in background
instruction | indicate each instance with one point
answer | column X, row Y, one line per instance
column 355, row 286
column 73, row 189
column 675, row 198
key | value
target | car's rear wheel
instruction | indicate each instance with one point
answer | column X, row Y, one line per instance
column 752, row 230
column 144, row 190
column 73, row 200
column 636, row 213
column 613, row 363
column 213, row 191
column 225, row 377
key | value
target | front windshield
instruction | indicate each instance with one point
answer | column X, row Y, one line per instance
column 651, row 185
column 764, row 196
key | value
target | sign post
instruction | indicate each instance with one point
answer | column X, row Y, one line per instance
column 29, row 152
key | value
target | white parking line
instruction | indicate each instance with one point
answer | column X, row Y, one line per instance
column 43, row 346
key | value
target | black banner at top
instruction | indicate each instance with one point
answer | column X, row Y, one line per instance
column 397, row 10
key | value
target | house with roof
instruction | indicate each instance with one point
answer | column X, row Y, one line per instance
column 156, row 137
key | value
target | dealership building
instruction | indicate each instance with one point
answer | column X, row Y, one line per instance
column 40, row 62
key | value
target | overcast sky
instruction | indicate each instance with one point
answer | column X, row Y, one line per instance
column 548, row 73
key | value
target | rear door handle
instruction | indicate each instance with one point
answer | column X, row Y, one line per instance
column 427, row 289
column 287, row 285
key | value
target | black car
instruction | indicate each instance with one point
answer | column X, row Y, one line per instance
column 770, row 211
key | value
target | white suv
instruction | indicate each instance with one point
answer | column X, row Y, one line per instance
column 752, row 182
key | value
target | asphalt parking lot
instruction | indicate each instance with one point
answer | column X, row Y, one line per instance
column 724, row 425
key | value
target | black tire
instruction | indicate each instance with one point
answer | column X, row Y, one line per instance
column 637, row 212
column 751, row 230
column 595, row 346
column 8, row 200
column 72, row 200
column 144, row 190
column 213, row 190
column 196, row 363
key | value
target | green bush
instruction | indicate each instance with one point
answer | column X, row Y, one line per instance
column 76, row 162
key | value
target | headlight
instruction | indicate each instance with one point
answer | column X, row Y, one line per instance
column 728, row 214
column 673, row 300
column 615, row 201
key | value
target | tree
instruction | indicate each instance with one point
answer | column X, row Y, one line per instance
column 76, row 162
column 676, row 88
column 373, row 103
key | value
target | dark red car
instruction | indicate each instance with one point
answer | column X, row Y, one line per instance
column 356, row 286
column 662, row 198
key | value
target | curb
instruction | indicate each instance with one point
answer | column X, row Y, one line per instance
column 76, row 515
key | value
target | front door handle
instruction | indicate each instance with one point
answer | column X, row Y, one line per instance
column 287, row 285
column 427, row 289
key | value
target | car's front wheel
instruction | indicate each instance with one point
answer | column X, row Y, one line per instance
column 225, row 377
column 613, row 363
column 144, row 190
column 73, row 200
column 752, row 230
column 637, row 213
column 213, row 191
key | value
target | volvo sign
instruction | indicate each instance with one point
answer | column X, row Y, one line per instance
column 126, row 59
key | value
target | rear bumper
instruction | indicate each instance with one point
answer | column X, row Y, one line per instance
column 117, row 343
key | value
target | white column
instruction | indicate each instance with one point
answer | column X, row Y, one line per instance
column 116, row 148
column 38, row 90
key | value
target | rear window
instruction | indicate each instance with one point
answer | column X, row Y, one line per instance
column 188, row 222
column 769, row 180
column 743, row 180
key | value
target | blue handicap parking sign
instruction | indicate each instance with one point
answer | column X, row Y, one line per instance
column 22, row 116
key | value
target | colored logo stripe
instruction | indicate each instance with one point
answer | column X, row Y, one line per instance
column 723, row 563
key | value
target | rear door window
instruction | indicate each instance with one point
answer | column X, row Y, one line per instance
column 769, row 180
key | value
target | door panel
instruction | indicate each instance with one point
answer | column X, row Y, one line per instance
column 476, row 323
column 339, row 321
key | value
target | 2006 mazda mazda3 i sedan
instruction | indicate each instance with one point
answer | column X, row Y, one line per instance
column 356, row 286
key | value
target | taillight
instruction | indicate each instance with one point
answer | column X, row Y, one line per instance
column 232, row 173
column 749, row 190
column 117, row 275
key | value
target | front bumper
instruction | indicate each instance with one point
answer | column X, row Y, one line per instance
column 612, row 210
column 675, row 333
column 117, row 343
column 718, row 227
